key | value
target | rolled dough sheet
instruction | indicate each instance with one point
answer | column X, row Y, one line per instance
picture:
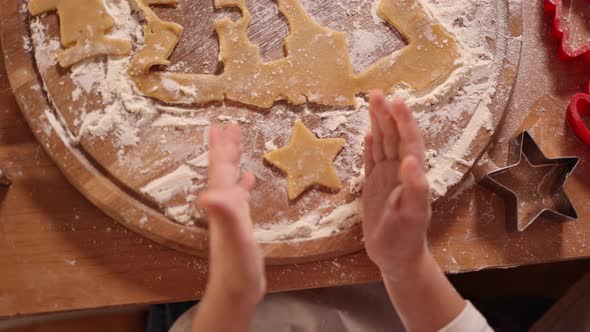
column 317, row 67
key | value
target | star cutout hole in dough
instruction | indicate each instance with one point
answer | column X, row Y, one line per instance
column 316, row 68
column 307, row 161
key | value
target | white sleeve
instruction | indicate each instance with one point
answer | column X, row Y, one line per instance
column 470, row 320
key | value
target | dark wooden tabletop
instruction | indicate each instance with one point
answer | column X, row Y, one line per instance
column 58, row 252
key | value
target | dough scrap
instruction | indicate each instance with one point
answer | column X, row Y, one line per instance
column 160, row 38
column 317, row 66
column 83, row 29
column 307, row 161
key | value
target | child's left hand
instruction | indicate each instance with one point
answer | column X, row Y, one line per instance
column 236, row 270
column 396, row 195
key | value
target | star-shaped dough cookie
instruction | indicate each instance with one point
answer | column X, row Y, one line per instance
column 307, row 160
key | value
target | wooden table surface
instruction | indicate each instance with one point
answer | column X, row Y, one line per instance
column 58, row 252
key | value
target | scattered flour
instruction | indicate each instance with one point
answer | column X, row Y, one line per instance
column 466, row 94
column 166, row 187
column 232, row 119
column 201, row 161
column 86, row 76
column 167, row 120
column 45, row 49
column 181, row 214
column 270, row 146
column 332, row 123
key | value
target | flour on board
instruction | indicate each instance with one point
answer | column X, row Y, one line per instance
column 466, row 93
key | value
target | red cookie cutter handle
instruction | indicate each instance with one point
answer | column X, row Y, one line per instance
column 579, row 107
column 563, row 33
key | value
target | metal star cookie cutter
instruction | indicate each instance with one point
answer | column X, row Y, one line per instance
column 529, row 152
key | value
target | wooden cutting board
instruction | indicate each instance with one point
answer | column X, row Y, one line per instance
column 111, row 184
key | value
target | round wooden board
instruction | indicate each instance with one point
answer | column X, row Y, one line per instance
column 92, row 166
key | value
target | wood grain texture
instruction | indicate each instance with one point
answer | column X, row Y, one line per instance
column 103, row 187
column 95, row 170
column 58, row 252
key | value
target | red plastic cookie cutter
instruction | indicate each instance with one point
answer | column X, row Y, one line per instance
column 580, row 107
column 562, row 32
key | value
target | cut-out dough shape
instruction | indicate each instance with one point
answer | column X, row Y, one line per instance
column 83, row 28
column 307, row 161
column 317, row 67
column 160, row 38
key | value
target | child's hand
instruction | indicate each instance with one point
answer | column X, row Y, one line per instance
column 236, row 270
column 396, row 216
column 396, row 195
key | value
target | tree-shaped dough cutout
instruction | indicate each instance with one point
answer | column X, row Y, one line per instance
column 316, row 68
column 84, row 25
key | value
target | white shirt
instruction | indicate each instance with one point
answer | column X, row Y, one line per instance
column 364, row 308
column 470, row 320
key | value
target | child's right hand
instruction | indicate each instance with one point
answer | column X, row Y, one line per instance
column 236, row 266
column 396, row 195
column 236, row 263
column 396, row 216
